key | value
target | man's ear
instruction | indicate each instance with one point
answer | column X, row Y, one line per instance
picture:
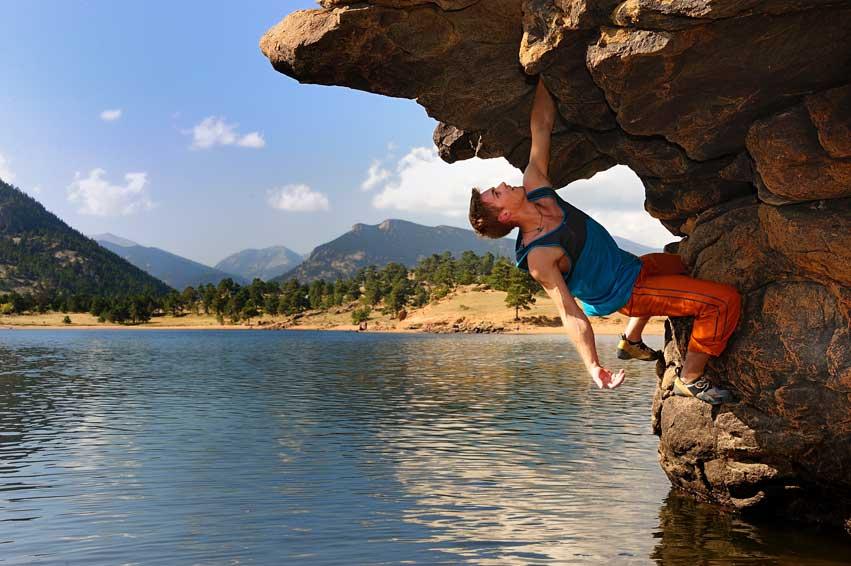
column 504, row 216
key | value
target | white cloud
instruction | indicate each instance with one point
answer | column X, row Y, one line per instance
column 213, row 131
column 425, row 183
column 615, row 199
column 374, row 176
column 96, row 196
column 297, row 198
column 110, row 115
column 36, row 190
column 6, row 172
column 254, row 139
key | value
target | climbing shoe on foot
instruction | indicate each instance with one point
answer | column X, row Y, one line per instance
column 702, row 390
column 628, row 350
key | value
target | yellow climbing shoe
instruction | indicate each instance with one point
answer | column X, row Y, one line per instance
column 628, row 350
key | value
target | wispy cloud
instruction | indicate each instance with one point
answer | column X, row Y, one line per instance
column 213, row 131
column 110, row 115
column 297, row 198
column 254, row 140
column 6, row 172
column 95, row 195
column 374, row 176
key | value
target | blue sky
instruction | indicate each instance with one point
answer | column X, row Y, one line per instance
column 162, row 122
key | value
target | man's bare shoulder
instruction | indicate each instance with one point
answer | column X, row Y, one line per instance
column 544, row 260
column 545, row 254
column 534, row 179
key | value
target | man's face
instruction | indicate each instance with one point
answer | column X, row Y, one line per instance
column 504, row 198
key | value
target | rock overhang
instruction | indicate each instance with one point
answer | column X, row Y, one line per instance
column 736, row 115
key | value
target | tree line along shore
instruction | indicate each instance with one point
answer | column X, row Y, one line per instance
column 441, row 293
column 389, row 290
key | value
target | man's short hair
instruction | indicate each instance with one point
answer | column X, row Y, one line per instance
column 485, row 219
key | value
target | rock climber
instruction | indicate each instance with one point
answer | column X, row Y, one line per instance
column 573, row 256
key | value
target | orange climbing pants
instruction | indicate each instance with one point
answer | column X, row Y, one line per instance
column 663, row 289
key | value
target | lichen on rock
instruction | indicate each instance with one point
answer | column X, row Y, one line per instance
column 736, row 115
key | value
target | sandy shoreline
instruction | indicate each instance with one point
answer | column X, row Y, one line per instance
column 603, row 329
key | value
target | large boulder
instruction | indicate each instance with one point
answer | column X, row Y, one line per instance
column 736, row 115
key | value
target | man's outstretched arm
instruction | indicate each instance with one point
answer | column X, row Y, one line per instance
column 543, row 267
column 541, row 124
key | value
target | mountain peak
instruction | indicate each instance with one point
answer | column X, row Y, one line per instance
column 264, row 263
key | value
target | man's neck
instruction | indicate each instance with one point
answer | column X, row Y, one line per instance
column 529, row 218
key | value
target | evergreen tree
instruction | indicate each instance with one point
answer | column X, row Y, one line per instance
column 372, row 291
column 500, row 277
column 256, row 291
column 521, row 292
column 190, row 298
column 249, row 311
column 293, row 298
column 270, row 304
column 397, row 297
column 315, row 293
column 467, row 268
column 486, row 264
column 208, row 295
column 420, row 295
column 361, row 314
column 173, row 304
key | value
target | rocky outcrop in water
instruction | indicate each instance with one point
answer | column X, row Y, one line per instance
column 736, row 116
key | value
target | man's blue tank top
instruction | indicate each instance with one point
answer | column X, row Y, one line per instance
column 601, row 274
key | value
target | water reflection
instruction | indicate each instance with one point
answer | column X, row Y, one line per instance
column 697, row 533
column 514, row 458
column 208, row 447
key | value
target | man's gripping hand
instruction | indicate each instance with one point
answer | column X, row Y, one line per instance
column 606, row 379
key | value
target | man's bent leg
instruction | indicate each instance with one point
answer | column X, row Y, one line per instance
column 651, row 265
column 631, row 345
column 714, row 306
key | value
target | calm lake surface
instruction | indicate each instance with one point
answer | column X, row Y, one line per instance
column 206, row 447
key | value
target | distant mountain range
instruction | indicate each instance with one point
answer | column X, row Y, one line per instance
column 391, row 241
column 265, row 264
column 176, row 271
column 634, row 247
column 39, row 252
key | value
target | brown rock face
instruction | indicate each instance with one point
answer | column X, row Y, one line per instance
column 736, row 114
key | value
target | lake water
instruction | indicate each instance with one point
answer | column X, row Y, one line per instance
column 205, row 447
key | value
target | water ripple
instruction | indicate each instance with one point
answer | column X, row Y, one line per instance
column 258, row 447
